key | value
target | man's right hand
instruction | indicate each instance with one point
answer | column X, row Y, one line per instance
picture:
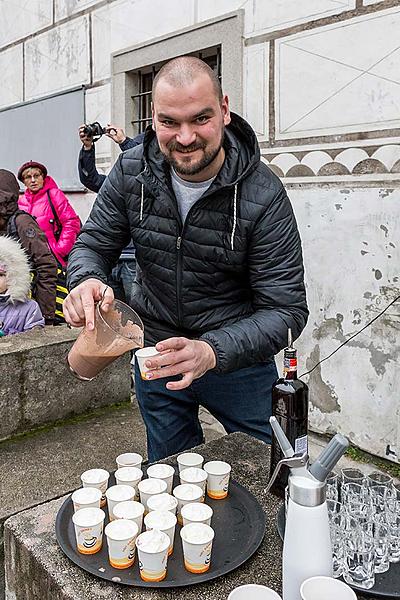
column 78, row 306
column 86, row 140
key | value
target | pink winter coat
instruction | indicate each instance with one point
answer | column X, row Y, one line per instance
column 38, row 206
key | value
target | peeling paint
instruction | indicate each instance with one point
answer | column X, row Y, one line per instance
column 385, row 229
column 391, row 244
column 385, row 193
column 338, row 207
column 377, row 273
column 344, row 191
column 322, row 394
column 364, row 252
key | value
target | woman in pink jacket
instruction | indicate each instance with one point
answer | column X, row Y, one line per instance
column 50, row 207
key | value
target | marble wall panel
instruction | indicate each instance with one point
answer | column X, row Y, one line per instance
column 368, row 2
column 11, row 69
column 98, row 108
column 58, row 59
column 351, row 258
column 256, row 78
column 66, row 8
column 127, row 23
column 280, row 14
column 20, row 18
column 325, row 86
column 209, row 9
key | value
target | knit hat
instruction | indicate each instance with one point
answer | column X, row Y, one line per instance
column 9, row 193
column 29, row 165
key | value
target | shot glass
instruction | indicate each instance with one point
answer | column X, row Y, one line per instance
column 196, row 512
column 377, row 478
column 379, row 531
column 337, row 551
column 121, row 536
column 379, row 497
column 393, row 522
column 150, row 487
column 197, row 540
column 196, row 476
column 218, row 475
column 186, row 493
column 337, row 513
column 360, row 561
column 130, row 511
column 163, row 502
column 351, row 492
column 97, row 478
column 164, row 521
column 253, row 591
column 129, row 476
column 86, row 498
column 352, row 476
column 152, row 547
column 88, row 525
column 332, row 486
column 189, row 459
column 116, row 494
column 141, row 356
column 163, row 472
column 325, row 588
column 129, row 459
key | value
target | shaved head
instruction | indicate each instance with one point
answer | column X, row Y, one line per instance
column 182, row 71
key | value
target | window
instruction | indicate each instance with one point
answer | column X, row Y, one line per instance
column 142, row 99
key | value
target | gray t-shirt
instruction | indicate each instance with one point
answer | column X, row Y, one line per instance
column 188, row 192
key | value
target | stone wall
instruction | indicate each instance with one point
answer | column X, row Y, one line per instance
column 37, row 387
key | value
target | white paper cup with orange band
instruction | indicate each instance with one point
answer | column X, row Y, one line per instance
column 162, row 502
column 97, row 478
column 145, row 354
column 165, row 521
column 129, row 476
column 116, row 494
column 130, row 510
column 185, row 493
column 129, row 459
column 152, row 547
column 197, row 540
column 150, row 487
column 194, row 475
column 121, row 537
column 189, row 459
column 218, row 475
column 164, row 472
column 88, row 525
column 86, row 497
column 196, row 512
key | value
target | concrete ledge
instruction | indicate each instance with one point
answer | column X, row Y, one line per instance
column 37, row 388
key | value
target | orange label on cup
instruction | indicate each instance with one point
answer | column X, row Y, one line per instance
column 202, row 568
column 217, row 494
column 90, row 546
column 121, row 563
column 151, row 576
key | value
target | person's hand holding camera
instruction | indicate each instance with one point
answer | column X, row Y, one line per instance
column 115, row 133
column 86, row 140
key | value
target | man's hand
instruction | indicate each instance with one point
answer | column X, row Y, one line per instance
column 180, row 356
column 115, row 133
column 78, row 306
column 85, row 139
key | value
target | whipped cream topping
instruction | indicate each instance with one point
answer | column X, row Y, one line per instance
column 196, row 511
column 122, row 529
column 152, row 486
column 153, row 541
column 86, row 495
column 160, row 519
column 160, row 471
column 162, row 502
column 88, row 517
column 129, row 509
column 197, row 533
column 188, row 491
column 192, row 474
column 119, row 493
column 95, row 476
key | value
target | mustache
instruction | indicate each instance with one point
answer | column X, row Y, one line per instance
column 173, row 145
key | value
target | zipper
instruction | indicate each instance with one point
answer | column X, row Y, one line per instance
column 179, row 277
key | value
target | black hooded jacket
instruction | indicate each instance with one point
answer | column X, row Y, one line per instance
column 232, row 275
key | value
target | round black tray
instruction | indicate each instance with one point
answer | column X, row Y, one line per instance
column 239, row 524
column 387, row 585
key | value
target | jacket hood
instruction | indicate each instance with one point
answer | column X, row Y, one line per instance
column 15, row 262
column 242, row 153
column 9, row 193
column 49, row 184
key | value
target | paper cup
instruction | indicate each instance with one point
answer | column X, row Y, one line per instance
column 88, row 525
column 327, row 588
column 141, row 356
column 164, row 472
column 129, row 459
column 116, row 494
column 186, row 493
column 189, row 459
column 121, row 537
column 152, row 547
column 197, row 540
column 196, row 512
column 130, row 511
column 96, row 478
column 218, row 479
column 150, row 487
column 164, row 521
column 194, row 475
column 86, row 498
column 129, row 476
column 162, row 502
column 255, row 592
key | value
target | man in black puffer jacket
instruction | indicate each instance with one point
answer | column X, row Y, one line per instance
column 219, row 262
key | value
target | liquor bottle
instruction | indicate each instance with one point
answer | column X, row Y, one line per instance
column 290, row 407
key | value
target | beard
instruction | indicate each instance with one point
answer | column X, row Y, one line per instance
column 186, row 166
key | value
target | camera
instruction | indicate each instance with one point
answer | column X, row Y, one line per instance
column 94, row 130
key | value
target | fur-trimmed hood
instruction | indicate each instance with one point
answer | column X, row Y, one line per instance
column 15, row 262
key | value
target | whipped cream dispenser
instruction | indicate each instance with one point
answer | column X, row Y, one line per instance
column 307, row 550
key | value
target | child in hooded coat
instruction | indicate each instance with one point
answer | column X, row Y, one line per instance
column 17, row 312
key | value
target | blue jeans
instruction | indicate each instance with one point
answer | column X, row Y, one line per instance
column 121, row 279
column 240, row 400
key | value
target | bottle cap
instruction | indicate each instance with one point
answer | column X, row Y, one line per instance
column 329, row 457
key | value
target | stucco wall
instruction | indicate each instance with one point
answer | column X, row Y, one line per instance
column 321, row 87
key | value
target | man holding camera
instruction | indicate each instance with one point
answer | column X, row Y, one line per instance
column 220, row 277
column 123, row 274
